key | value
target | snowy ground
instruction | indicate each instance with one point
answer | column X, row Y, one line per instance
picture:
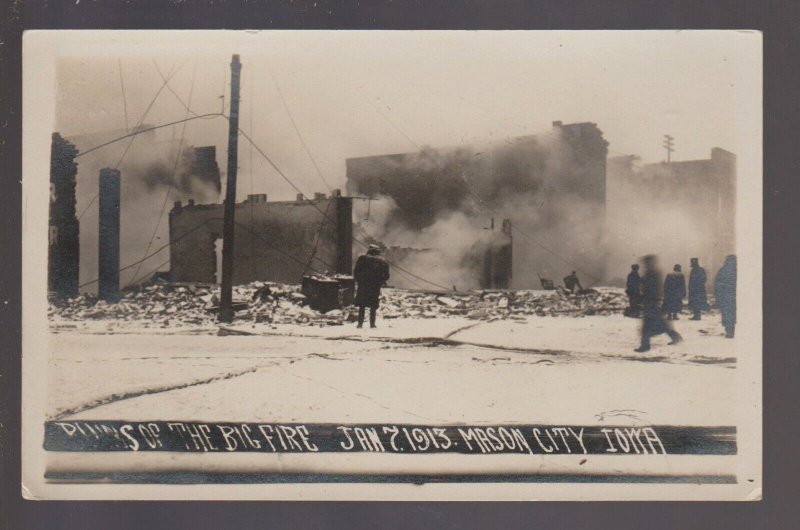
column 542, row 369
column 539, row 370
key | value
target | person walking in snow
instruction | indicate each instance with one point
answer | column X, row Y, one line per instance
column 653, row 322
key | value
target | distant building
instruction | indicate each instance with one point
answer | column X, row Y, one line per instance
column 694, row 201
column 273, row 241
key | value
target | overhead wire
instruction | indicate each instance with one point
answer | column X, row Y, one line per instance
column 162, row 247
column 202, row 116
column 148, row 129
column 300, row 191
column 253, row 144
column 172, row 176
column 187, row 107
column 193, row 229
column 154, row 270
column 363, row 244
column 279, row 250
column 124, row 99
column 132, row 136
column 297, row 130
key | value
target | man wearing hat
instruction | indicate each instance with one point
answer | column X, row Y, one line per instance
column 698, row 301
column 633, row 289
column 370, row 274
column 674, row 291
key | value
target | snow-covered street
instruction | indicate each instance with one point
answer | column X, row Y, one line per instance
column 541, row 369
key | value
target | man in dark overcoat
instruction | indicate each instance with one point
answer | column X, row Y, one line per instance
column 674, row 291
column 725, row 294
column 698, row 301
column 653, row 322
column 633, row 290
column 370, row 274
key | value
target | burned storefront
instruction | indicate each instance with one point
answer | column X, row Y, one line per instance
column 273, row 241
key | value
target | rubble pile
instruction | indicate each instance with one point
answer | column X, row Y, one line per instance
column 163, row 304
column 494, row 305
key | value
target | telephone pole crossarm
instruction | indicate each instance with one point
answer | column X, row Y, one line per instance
column 669, row 145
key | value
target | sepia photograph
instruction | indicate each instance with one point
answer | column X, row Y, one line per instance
column 373, row 265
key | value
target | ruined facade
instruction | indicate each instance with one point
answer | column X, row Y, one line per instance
column 553, row 185
column 273, row 241
column 498, row 259
column 63, row 237
column 151, row 169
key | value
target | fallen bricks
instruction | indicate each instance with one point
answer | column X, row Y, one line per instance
column 163, row 304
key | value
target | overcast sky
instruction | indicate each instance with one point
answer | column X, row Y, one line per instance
column 362, row 93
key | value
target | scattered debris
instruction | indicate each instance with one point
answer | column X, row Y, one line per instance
column 495, row 305
column 164, row 304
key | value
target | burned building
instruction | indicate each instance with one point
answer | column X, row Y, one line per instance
column 552, row 186
column 63, row 237
column 156, row 169
column 498, row 259
column 678, row 210
column 273, row 241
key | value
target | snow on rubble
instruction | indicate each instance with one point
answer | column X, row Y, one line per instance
column 164, row 304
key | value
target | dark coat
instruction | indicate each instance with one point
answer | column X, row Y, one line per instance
column 698, row 301
column 674, row 291
column 572, row 281
column 725, row 293
column 653, row 321
column 370, row 273
column 633, row 285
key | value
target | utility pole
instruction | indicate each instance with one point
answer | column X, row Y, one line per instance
column 669, row 145
column 226, row 294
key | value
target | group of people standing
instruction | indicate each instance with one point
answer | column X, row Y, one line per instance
column 645, row 297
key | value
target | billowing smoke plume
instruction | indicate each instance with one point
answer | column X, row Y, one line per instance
column 451, row 203
column 154, row 174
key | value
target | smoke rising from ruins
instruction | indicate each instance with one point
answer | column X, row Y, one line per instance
column 543, row 184
column 153, row 176
column 443, row 201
